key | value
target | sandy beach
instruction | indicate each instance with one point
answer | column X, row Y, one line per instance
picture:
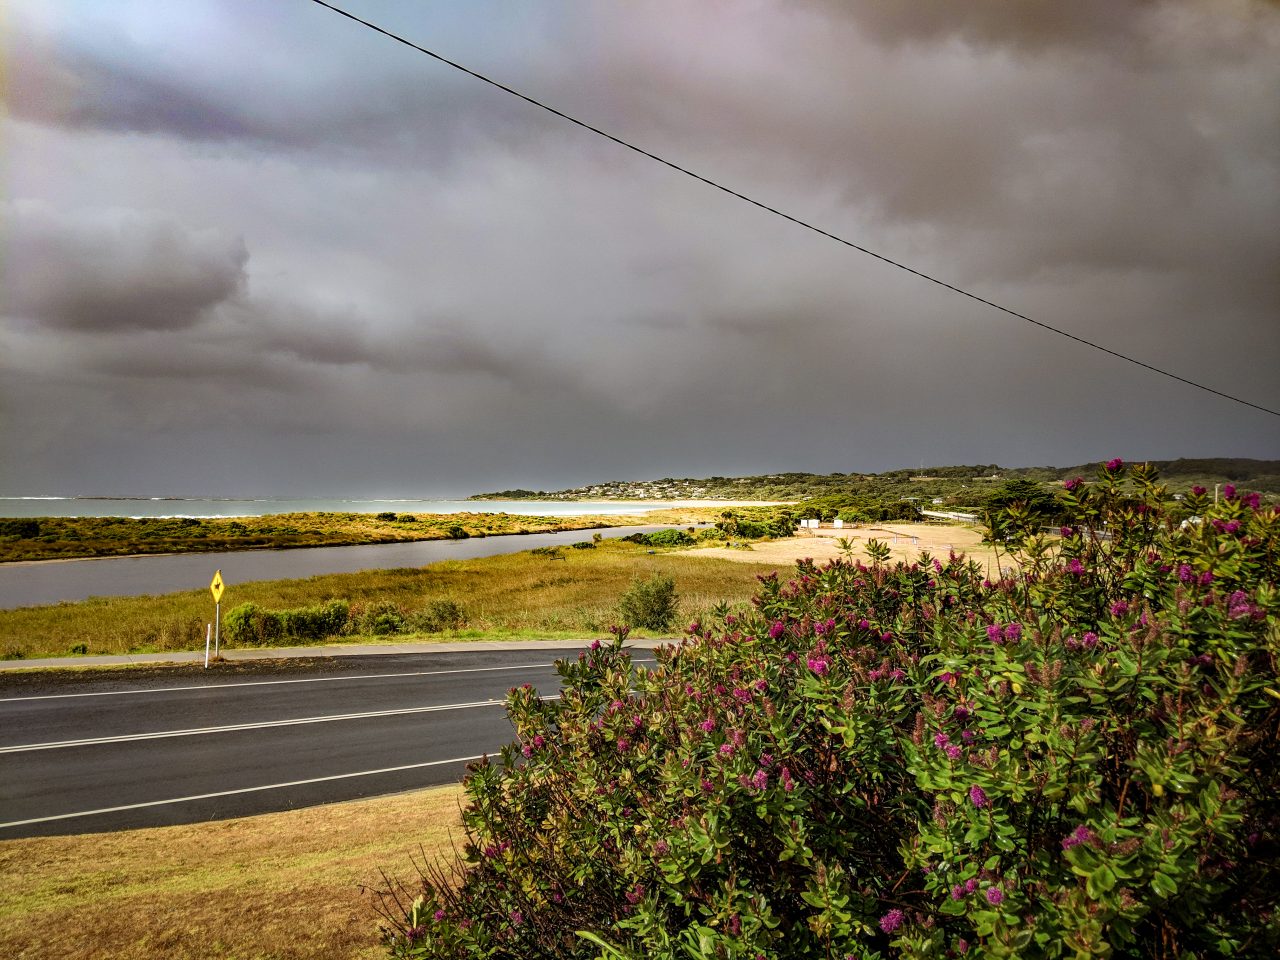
column 905, row 540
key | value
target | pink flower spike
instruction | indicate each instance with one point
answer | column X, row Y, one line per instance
column 892, row 920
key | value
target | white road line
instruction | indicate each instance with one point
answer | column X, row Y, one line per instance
column 260, row 725
column 269, row 683
column 229, row 793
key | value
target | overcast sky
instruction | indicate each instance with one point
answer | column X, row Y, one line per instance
column 251, row 248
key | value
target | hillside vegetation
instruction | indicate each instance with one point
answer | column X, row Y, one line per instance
column 959, row 486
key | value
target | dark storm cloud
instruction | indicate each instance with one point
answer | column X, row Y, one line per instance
column 428, row 346
column 79, row 88
column 116, row 269
column 382, row 105
column 441, row 289
column 1031, row 24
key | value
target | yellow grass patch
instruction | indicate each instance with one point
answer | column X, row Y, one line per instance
column 274, row 887
column 905, row 541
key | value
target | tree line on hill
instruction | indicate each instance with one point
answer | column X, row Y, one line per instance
column 956, row 485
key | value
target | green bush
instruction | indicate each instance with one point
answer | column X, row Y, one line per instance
column 775, row 522
column 859, row 508
column 650, row 604
column 316, row 622
column 1032, row 496
column 20, row 529
column 379, row 619
column 438, row 615
column 909, row 761
column 248, row 625
column 661, row 538
column 669, row 538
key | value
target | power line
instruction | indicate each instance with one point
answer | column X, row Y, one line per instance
column 786, row 216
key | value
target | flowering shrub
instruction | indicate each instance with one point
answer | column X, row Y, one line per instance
column 909, row 761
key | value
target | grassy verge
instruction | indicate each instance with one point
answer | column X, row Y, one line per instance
column 273, row 887
column 505, row 597
column 62, row 538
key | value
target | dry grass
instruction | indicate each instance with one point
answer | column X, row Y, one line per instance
column 273, row 887
column 511, row 596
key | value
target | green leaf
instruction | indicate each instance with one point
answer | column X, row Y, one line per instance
column 1100, row 881
column 1164, row 885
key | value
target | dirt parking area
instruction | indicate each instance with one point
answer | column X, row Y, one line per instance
column 905, row 540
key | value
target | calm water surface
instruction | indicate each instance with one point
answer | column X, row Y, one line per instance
column 33, row 584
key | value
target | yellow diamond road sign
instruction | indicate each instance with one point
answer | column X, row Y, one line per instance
column 216, row 587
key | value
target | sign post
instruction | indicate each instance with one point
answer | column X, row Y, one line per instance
column 216, row 588
column 208, row 631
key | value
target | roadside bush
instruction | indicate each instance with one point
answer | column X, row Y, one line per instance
column 317, row 622
column 242, row 625
column 909, row 761
column 438, row 615
column 380, row 619
column 248, row 625
column 650, row 604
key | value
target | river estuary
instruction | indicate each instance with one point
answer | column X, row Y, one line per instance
column 34, row 584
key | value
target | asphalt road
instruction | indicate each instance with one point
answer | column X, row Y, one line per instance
column 113, row 753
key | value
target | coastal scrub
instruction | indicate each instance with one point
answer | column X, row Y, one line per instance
column 909, row 761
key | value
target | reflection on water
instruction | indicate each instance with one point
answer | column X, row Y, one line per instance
column 33, row 584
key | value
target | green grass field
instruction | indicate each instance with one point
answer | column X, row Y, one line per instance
column 514, row 596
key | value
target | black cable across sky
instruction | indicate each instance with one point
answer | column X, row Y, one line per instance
column 786, row 216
